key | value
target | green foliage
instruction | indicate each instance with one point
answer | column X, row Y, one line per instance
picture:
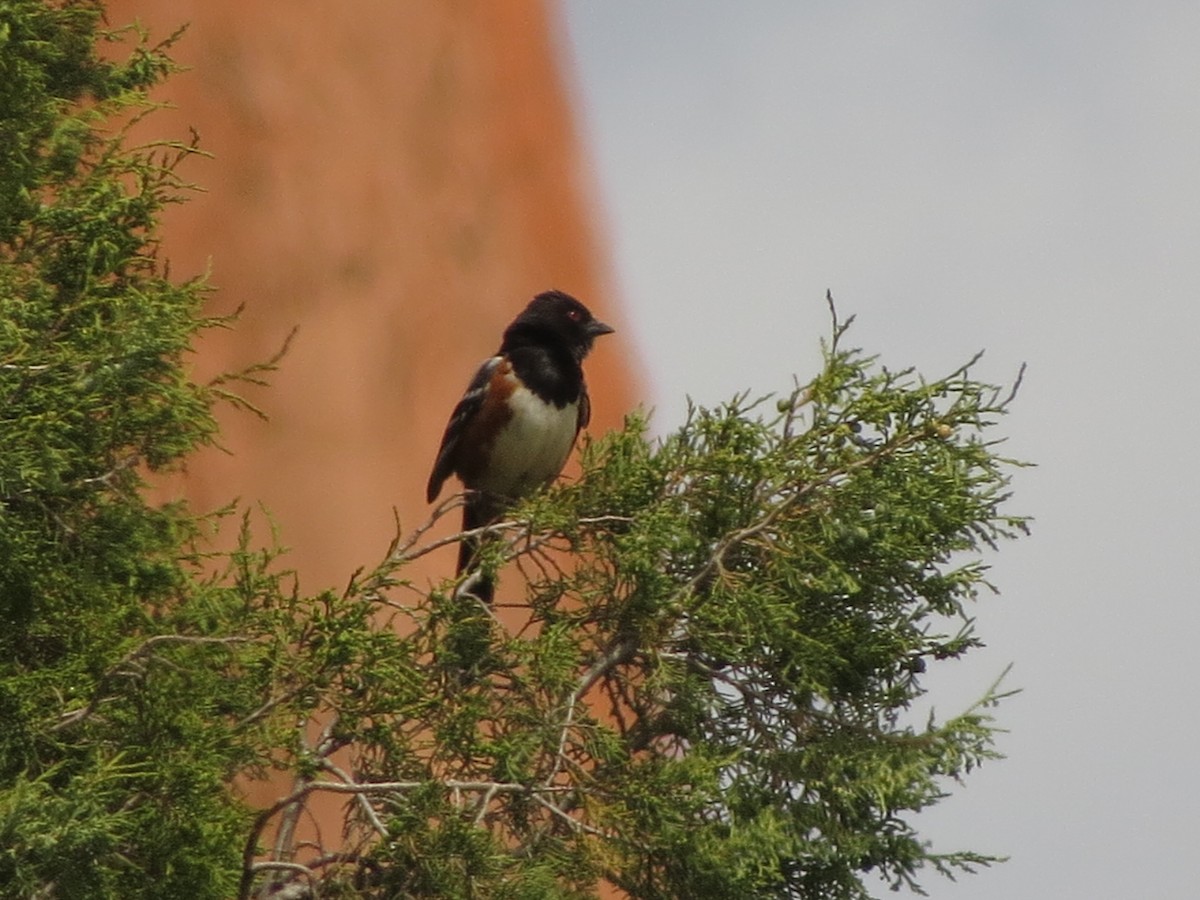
column 113, row 774
column 710, row 698
column 698, row 681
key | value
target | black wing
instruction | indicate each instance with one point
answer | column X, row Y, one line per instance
column 585, row 408
column 466, row 410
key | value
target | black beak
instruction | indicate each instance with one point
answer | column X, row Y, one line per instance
column 595, row 328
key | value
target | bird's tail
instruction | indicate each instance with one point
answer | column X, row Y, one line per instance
column 476, row 514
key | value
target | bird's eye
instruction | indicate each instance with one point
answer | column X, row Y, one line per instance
column 574, row 315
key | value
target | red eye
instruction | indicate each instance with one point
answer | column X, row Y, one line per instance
column 573, row 315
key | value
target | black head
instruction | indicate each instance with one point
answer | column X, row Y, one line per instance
column 555, row 318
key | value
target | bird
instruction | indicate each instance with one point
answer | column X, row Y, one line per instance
column 515, row 426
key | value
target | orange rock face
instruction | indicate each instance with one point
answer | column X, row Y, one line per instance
column 396, row 180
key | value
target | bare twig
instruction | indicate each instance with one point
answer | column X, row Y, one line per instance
column 574, row 823
column 618, row 653
column 269, row 704
column 361, row 799
column 297, row 797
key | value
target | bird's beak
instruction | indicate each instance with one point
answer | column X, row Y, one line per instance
column 596, row 328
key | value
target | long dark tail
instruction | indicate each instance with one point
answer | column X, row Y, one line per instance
column 476, row 514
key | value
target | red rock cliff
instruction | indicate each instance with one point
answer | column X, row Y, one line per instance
column 395, row 179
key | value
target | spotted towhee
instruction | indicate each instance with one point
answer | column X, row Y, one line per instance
column 513, row 429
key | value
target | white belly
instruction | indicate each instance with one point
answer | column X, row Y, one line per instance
column 532, row 448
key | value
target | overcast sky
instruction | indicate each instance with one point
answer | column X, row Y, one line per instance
column 1020, row 176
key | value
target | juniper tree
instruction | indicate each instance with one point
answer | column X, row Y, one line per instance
column 702, row 685
column 722, row 636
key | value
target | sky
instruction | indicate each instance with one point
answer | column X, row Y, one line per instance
column 1015, row 176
